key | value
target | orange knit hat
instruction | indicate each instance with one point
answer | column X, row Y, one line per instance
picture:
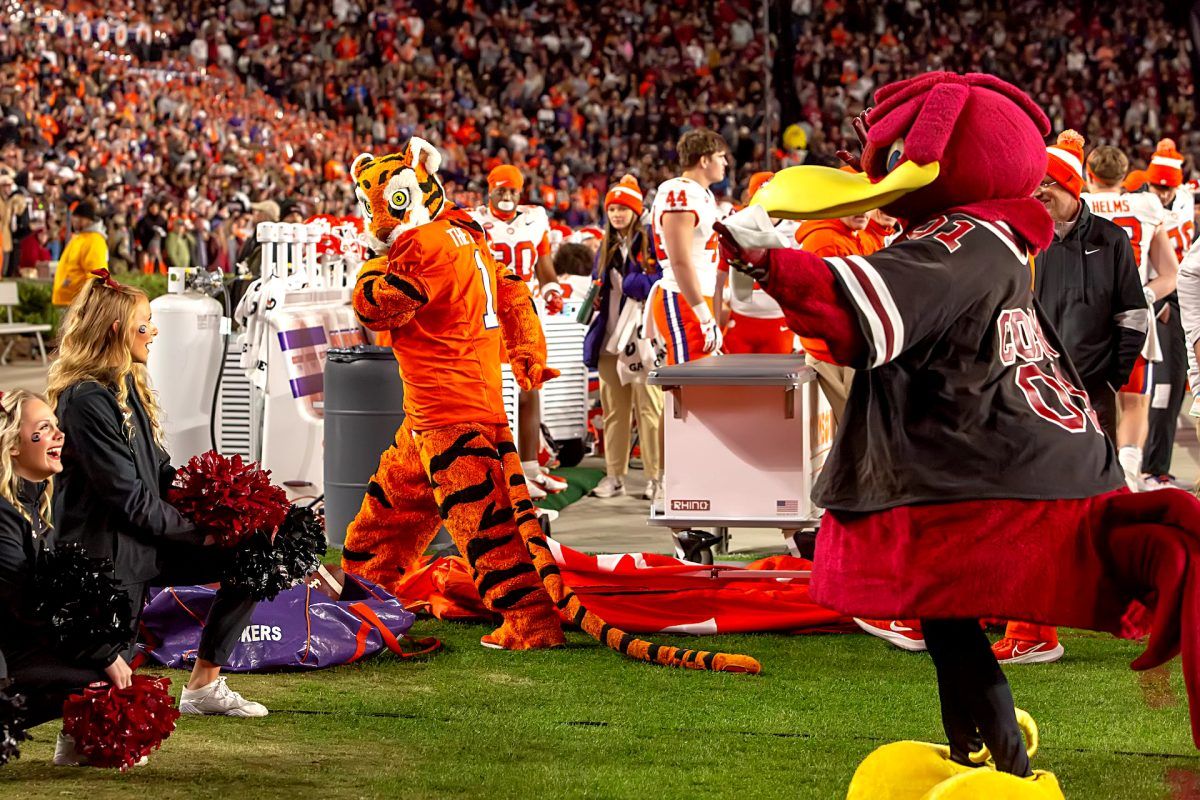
column 506, row 175
column 625, row 192
column 1166, row 165
column 1064, row 162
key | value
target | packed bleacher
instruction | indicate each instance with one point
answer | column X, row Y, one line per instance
column 213, row 119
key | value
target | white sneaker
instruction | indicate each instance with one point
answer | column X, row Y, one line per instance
column 549, row 513
column 653, row 490
column 218, row 698
column 535, row 492
column 547, row 483
column 65, row 754
column 609, row 487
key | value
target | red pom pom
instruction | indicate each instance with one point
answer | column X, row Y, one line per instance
column 116, row 727
column 227, row 498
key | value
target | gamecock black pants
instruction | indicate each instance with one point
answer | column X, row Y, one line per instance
column 977, row 703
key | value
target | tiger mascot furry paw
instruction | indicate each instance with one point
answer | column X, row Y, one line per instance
column 450, row 307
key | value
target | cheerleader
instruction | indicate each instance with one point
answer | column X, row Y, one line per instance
column 116, row 472
column 30, row 455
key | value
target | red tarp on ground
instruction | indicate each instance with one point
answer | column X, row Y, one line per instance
column 650, row 593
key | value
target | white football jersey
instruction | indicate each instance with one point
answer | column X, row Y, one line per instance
column 1181, row 221
column 519, row 242
column 681, row 195
column 1138, row 213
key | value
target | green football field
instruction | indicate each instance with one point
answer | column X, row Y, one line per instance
column 585, row 722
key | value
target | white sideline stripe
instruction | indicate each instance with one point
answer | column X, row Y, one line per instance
column 889, row 304
column 859, row 296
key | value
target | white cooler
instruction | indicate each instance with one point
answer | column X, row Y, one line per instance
column 745, row 437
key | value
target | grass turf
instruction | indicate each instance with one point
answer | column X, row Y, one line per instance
column 584, row 722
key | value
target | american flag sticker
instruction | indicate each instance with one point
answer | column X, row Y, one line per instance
column 787, row 506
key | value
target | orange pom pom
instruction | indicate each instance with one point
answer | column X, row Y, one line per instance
column 1166, row 147
column 1070, row 139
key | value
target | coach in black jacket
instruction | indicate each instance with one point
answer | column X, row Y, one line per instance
column 1088, row 286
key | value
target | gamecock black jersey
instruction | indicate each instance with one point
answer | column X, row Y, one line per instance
column 964, row 394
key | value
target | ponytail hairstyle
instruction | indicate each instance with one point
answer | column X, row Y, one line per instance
column 90, row 350
column 12, row 407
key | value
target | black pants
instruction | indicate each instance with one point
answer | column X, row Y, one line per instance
column 977, row 703
column 47, row 679
column 187, row 565
column 1172, row 373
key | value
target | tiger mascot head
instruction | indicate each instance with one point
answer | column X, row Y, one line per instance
column 398, row 192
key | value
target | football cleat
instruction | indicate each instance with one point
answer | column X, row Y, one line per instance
column 903, row 633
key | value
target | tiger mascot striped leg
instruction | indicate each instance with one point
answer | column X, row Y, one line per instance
column 570, row 606
column 463, row 464
column 398, row 518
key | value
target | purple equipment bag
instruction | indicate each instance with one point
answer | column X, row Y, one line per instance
column 302, row 628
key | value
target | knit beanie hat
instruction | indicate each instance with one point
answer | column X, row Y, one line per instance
column 625, row 193
column 1065, row 162
column 1166, row 165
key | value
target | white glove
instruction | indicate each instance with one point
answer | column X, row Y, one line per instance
column 709, row 326
column 752, row 228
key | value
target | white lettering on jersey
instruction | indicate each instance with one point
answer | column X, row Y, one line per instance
column 1051, row 395
column 684, row 196
column 1139, row 214
column 516, row 243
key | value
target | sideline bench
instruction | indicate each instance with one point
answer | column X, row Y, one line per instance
column 10, row 299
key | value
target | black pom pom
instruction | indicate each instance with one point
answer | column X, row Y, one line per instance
column 83, row 606
column 267, row 567
column 12, row 725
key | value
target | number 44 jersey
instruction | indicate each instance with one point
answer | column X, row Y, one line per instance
column 964, row 393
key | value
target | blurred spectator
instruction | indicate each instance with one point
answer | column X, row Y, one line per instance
column 85, row 252
column 120, row 244
column 33, row 252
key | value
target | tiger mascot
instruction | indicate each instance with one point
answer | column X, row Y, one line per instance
column 450, row 307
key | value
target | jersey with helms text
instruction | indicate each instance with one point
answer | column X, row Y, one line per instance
column 685, row 196
column 1138, row 214
column 519, row 242
column 964, row 393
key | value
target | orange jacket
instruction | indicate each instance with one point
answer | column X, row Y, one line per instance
column 874, row 237
column 829, row 238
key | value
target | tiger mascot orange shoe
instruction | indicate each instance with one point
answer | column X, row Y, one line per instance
column 450, row 307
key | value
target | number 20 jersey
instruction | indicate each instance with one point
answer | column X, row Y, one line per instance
column 964, row 393
column 685, row 196
column 519, row 242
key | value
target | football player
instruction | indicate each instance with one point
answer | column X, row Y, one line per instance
column 680, row 308
column 1142, row 217
column 519, row 236
column 1164, row 178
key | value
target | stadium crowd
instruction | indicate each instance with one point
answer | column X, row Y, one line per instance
column 237, row 108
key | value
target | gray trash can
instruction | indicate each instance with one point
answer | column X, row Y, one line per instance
column 364, row 406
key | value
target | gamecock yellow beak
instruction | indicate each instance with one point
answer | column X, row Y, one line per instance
column 809, row 192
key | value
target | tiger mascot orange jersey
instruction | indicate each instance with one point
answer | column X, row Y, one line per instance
column 451, row 308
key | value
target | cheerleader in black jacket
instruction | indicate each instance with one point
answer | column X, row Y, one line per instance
column 30, row 455
column 110, row 496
